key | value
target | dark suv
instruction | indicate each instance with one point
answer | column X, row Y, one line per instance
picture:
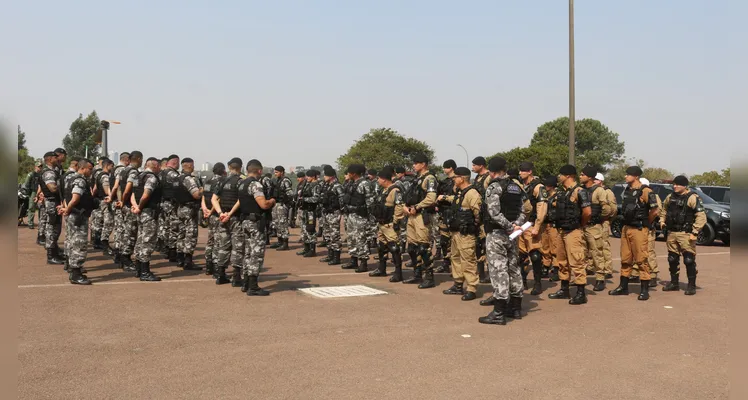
column 720, row 194
column 717, row 215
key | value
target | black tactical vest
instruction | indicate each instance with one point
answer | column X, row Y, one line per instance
column 86, row 202
column 680, row 217
column 48, row 194
column 183, row 196
column 330, row 199
column 463, row 220
column 479, row 183
column 380, row 210
column 308, row 191
column 635, row 213
column 169, row 184
column 247, row 203
column 530, row 189
column 568, row 213
column 211, row 186
column 280, row 193
column 597, row 209
column 552, row 212
column 416, row 194
column 229, row 192
column 138, row 191
column 357, row 201
column 510, row 202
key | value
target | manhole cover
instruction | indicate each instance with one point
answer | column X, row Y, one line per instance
column 342, row 291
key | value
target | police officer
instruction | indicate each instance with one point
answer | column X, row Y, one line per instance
column 593, row 232
column 300, row 182
column 463, row 226
column 420, row 203
column 129, row 228
column 79, row 204
column 146, row 198
column 67, row 180
column 168, row 218
column 117, row 183
column 269, row 188
column 530, row 241
column 388, row 211
column 50, row 188
column 97, row 217
column 284, row 200
column 188, row 199
column 372, row 178
column 331, row 201
column 358, row 200
column 310, row 197
column 72, row 170
column 551, row 239
column 611, row 198
column 502, row 215
column 573, row 213
column 639, row 209
column 405, row 182
column 209, row 214
column 104, row 194
column 684, row 216
column 32, row 185
column 654, row 269
column 229, row 234
column 445, row 188
column 481, row 183
column 253, row 204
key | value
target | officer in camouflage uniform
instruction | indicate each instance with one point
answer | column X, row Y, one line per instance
column 188, row 198
column 331, row 199
column 371, row 235
column 481, row 183
column 32, row 186
column 97, row 217
column 502, row 215
column 300, row 182
column 388, row 211
column 146, row 199
column 404, row 182
column 229, row 235
column 168, row 220
column 50, row 187
column 79, row 204
column 463, row 220
column 118, row 181
column 253, row 205
column 445, row 188
column 284, row 199
column 268, row 186
column 357, row 202
column 310, row 197
column 347, row 183
column 211, row 216
column 420, row 202
column 67, row 179
column 103, row 193
column 128, row 234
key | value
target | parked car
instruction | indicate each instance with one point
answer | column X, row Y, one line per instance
column 721, row 194
column 717, row 215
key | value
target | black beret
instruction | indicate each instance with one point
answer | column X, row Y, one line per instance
column 386, row 173
column 219, row 168
column 526, row 166
column 60, row 150
column 152, row 159
column 310, row 173
column 449, row 164
column 550, row 180
column 497, row 164
column 164, row 159
column 589, row 171
column 480, row 160
column 420, row 158
column 330, row 171
column 399, row 170
column 360, row 169
column 75, row 158
column 236, row 161
column 187, row 160
column 680, row 180
column 372, row 172
column 462, row 171
column 634, row 171
column 171, row 157
column 50, row 154
column 279, row 168
column 568, row 169
column 513, row 172
column 300, row 174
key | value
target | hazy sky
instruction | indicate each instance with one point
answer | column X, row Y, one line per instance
column 296, row 82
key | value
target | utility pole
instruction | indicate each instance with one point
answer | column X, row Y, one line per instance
column 572, row 117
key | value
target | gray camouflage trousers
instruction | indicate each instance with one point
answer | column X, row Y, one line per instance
column 371, row 229
column 118, row 221
column 280, row 219
column 331, row 230
column 97, row 219
column 357, row 235
column 76, row 239
column 42, row 217
column 187, row 239
column 229, row 247
column 147, row 234
column 168, row 224
column 308, row 227
column 107, row 220
column 128, row 233
column 435, row 234
column 210, row 245
column 254, row 245
column 502, row 257
column 53, row 225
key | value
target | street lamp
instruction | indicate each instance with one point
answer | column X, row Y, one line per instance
column 101, row 135
column 467, row 158
column 572, row 139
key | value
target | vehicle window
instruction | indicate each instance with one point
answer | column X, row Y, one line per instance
column 704, row 197
column 726, row 199
column 618, row 192
column 716, row 193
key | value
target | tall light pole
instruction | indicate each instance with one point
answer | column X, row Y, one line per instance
column 467, row 158
column 572, row 139
column 103, row 131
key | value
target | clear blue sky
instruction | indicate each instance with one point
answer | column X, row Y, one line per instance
column 304, row 79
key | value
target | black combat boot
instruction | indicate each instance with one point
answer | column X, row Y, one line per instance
column 381, row 267
column 77, row 278
column 546, row 271
column 496, row 316
column 323, row 244
column 145, row 273
column 444, row 267
column 236, row 278
column 455, row 289
column 537, row 287
column 188, row 264
column 482, row 275
column 397, row 275
column 537, row 276
column 304, row 251
column 634, row 279
column 362, row 266
column 416, row 278
column 599, row 286
column 428, row 280
column 523, row 272
column 644, row 291
column 438, row 255
column 40, row 240
column 245, row 285
column 210, row 268
column 107, row 248
column 180, row 259
column 468, row 296
column 221, row 278
column 284, row 245
column 66, row 266
column 673, row 285
column 254, row 289
column 53, row 259
column 267, row 240
column 172, row 255
column 125, row 262
column 312, row 251
column 580, row 297
column 562, row 293
column 691, row 288
column 353, row 264
column 326, row 258
column 335, row 260
column 622, row 289
column 117, row 256
column 489, row 301
column 515, row 304
column 138, row 268
column 553, row 276
column 653, row 281
column 277, row 244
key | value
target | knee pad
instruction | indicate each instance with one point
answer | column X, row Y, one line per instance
column 689, row 259
column 424, row 248
column 523, row 258
column 382, row 247
column 412, row 249
column 536, row 256
column 673, row 259
column 393, row 247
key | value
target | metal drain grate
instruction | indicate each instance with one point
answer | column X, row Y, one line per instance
column 330, row 292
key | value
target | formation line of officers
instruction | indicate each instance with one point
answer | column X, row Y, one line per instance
column 141, row 206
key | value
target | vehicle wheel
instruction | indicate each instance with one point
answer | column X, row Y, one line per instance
column 706, row 236
column 615, row 228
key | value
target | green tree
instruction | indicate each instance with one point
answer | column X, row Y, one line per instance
column 384, row 146
column 712, row 178
column 656, row 174
column 81, row 135
column 547, row 159
column 595, row 143
column 617, row 171
column 25, row 161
